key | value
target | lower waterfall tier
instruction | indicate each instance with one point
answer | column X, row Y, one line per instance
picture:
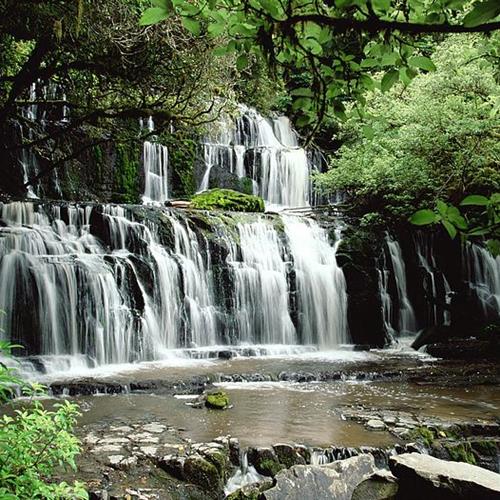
column 113, row 284
column 93, row 285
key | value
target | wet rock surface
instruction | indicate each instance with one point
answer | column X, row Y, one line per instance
column 423, row 476
column 336, row 480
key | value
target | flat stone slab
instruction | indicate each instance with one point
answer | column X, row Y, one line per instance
column 337, row 480
column 423, row 476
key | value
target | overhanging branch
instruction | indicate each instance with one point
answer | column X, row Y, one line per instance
column 374, row 25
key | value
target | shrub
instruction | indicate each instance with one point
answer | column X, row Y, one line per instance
column 33, row 442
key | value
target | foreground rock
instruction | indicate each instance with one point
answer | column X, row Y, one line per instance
column 337, row 480
column 423, row 476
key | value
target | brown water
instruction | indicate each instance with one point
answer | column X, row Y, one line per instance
column 267, row 413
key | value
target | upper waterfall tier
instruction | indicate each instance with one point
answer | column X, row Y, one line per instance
column 264, row 152
column 112, row 284
column 155, row 164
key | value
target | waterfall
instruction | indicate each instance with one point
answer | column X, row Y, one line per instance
column 155, row 162
column 91, row 285
column 261, row 288
column 321, row 286
column 482, row 272
column 405, row 321
column 435, row 283
column 39, row 116
column 245, row 475
column 266, row 152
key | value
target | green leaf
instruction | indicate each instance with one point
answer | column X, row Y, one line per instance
column 191, row 25
column 368, row 132
column 452, row 231
column 482, row 13
column 241, row 62
column 423, row 217
column 153, row 15
column 442, row 207
column 479, row 231
column 389, row 79
column 422, row 62
column 494, row 247
column 163, row 4
column 370, row 62
column 475, row 199
column 303, row 92
column 382, row 5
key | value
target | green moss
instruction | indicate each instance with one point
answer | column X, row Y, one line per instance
column 424, row 434
column 269, row 467
column 246, row 185
column 247, row 494
column 461, row 452
column 127, row 174
column 485, row 447
column 227, row 199
column 217, row 400
column 203, row 473
column 219, row 460
column 182, row 147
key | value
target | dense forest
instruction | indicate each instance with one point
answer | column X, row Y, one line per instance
column 202, row 194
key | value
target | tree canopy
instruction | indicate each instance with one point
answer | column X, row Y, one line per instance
column 337, row 44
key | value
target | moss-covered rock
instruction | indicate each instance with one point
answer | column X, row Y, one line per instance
column 201, row 472
column 461, row 452
column 217, row 400
column 227, row 199
column 265, row 461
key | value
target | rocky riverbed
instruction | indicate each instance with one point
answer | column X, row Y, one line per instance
column 289, row 421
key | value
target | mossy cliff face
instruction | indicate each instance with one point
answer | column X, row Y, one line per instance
column 96, row 163
column 227, row 199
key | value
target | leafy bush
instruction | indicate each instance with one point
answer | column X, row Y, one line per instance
column 33, row 442
column 436, row 138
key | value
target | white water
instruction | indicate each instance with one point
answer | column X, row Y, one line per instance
column 437, row 283
column 483, row 276
column 245, row 475
column 265, row 152
column 406, row 319
column 261, row 288
column 155, row 162
column 89, row 286
column 321, row 286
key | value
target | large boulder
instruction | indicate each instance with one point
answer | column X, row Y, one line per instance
column 335, row 481
column 423, row 476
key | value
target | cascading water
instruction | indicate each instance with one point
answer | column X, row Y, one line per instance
column 246, row 474
column 321, row 286
column 265, row 152
column 435, row 283
column 261, row 288
column 403, row 321
column 105, row 287
column 155, row 161
column 482, row 272
column 36, row 115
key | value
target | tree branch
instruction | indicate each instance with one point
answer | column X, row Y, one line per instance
column 376, row 25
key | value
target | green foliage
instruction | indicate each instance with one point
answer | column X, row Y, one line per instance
column 182, row 153
column 339, row 44
column 127, row 175
column 485, row 222
column 437, row 138
column 33, row 442
column 227, row 199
